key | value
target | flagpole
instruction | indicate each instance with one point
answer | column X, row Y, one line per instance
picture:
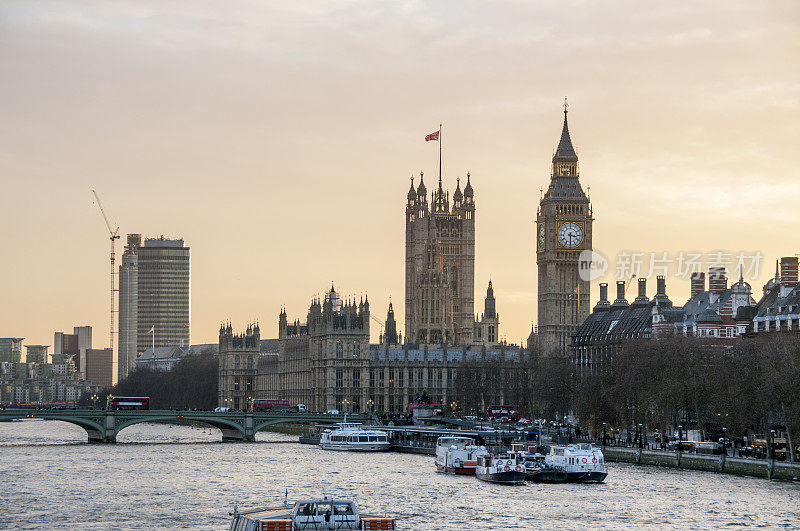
column 440, row 152
column 154, row 341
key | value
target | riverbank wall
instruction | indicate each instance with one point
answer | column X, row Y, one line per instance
column 761, row 468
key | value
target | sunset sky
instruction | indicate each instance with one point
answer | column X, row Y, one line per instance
column 278, row 139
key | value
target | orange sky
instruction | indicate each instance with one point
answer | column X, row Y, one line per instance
column 278, row 140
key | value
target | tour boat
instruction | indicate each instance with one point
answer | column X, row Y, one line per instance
column 308, row 514
column 351, row 436
column 582, row 463
column 457, row 455
column 506, row 468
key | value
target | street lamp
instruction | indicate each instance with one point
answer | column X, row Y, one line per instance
column 641, row 436
column 725, row 440
column 680, row 437
column 771, row 448
column 345, row 403
column 604, row 436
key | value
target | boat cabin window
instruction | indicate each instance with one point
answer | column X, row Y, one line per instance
column 373, row 438
column 342, row 508
column 363, row 438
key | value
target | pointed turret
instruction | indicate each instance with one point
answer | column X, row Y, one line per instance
column 412, row 194
column 565, row 152
column 421, row 190
column 468, row 188
column 457, row 196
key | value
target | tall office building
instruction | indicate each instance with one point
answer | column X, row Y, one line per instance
column 154, row 294
column 100, row 366
column 71, row 348
column 11, row 349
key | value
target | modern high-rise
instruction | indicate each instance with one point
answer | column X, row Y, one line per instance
column 37, row 354
column 154, row 294
column 440, row 265
column 563, row 233
column 11, row 349
column 71, row 348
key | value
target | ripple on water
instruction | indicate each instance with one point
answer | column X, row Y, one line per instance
column 173, row 476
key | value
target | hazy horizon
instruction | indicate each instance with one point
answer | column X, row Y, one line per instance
column 278, row 140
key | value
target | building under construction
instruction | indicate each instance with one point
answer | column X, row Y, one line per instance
column 154, row 297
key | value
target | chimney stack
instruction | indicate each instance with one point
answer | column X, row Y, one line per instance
column 642, row 297
column 661, row 285
column 698, row 283
column 717, row 281
column 620, row 300
column 789, row 271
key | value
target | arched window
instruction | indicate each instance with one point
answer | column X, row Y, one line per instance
column 339, row 350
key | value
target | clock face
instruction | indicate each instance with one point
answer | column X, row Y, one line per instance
column 570, row 235
column 541, row 236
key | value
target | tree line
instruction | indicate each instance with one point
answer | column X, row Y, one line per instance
column 749, row 387
column 190, row 384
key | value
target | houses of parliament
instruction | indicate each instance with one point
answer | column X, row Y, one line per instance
column 326, row 361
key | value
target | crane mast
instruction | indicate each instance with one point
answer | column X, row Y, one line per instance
column 113, row 236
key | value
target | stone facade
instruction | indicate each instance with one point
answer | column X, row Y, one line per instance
column 238, row 361
column 440, row 265
column 563, row 231
column 328, row 363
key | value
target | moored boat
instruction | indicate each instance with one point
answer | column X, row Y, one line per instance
column 350, row 436
column 582, row 463
column 457, row 455
column 505, row 468
column 320, row 514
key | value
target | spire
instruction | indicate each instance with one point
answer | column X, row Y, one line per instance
column 565, row 152
column 421, row 190
column 468, row 188
column 411, row 193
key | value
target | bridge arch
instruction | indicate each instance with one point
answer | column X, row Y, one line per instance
column 94, row 428
column 231, row 430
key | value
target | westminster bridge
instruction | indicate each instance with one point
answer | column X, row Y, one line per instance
column 102, row 426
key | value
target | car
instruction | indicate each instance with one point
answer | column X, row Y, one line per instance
column 301, row 408
column 222, row 410
column 332, row 412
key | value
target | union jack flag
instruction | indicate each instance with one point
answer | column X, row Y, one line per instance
column 432, row 136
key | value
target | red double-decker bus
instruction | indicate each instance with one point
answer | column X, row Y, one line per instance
column 502, row 412
column 139, row 403
column 269, row 405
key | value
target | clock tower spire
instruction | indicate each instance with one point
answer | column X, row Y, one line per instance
column 563, row 232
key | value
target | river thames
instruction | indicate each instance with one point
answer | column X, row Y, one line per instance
column 160, row 476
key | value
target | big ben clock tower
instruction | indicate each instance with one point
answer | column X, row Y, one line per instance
column 563, row 232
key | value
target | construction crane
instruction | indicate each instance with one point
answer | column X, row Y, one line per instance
column 113, row 236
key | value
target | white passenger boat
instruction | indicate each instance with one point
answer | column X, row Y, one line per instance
column 308, row 514
column 458, row 455
column 582, row 463
column 351, row 436
column 506, row 468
